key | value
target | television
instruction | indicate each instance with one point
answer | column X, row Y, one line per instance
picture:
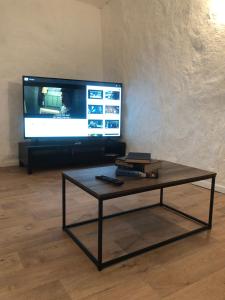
column 68, row 108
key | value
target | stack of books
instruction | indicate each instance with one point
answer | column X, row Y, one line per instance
column 137, row 164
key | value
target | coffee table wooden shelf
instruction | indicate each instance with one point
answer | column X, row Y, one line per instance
column 170, row 174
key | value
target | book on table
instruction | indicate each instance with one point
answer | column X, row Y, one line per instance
column 138, row 157
column 130, row 173
column 142, row 167
column 148, row 169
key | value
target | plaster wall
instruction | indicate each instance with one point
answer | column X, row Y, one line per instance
column 55, row 38
column 170, row 56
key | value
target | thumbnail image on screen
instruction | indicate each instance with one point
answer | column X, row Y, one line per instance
column 54, row 102
column 95, row 109
column 95, row 94
column 112, row 95
column 112, row 124
column 95, row 123
column 111, row 109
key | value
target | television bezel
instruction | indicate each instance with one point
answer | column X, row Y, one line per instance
column 73, row 138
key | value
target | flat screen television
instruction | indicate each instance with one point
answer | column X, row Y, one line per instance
column 66, row 108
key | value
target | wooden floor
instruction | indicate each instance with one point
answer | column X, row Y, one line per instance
column 38, row 261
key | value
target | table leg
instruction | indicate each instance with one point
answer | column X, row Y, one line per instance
column 100, row 223
column 211, row 202
column 161, row 196
column 63, row 202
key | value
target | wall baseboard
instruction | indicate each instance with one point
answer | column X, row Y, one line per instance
column 9, row 163
column 207, row 184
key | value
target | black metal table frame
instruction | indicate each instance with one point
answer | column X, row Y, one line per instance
column 99, row 260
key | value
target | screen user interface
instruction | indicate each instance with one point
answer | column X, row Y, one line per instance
column 71, row 108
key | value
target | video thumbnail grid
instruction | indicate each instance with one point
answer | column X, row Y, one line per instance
column 103, row 110
column 99, row 109
column 100, row 94
column 109, row 124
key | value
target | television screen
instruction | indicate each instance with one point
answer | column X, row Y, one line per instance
column 71, row 108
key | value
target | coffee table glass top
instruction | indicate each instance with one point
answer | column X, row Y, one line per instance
column 170, row 174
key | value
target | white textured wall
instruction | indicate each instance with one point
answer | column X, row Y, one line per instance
column 58, row 38
column 170, row 54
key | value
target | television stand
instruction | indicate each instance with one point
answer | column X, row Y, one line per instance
column 47, row 154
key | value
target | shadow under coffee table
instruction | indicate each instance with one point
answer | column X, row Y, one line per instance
column 170, row 174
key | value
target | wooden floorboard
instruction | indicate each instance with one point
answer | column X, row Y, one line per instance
column 39, row 261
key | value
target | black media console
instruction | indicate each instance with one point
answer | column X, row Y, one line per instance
column 37, row 154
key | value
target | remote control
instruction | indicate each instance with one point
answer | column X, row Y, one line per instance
column 109, row 179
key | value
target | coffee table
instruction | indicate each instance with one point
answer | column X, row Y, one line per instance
column 170, row 174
